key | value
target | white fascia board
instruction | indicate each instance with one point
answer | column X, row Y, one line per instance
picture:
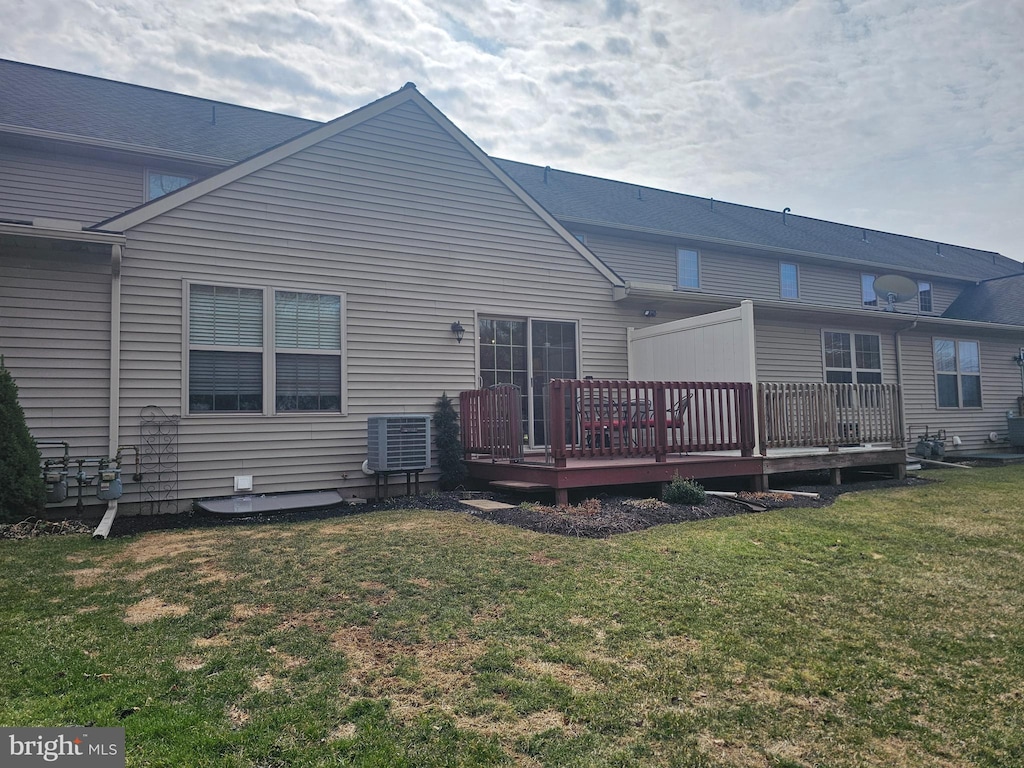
column 665, row 293
column 196, row 189
column 48, row 233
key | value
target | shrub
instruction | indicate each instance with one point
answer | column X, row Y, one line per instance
column 449, row 445
column 681, row 491
column 22, row 493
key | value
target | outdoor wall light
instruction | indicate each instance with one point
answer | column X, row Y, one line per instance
column 650, row 313
column 458, row 331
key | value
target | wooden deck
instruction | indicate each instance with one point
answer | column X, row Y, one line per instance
column 533, row 475
column 607, row 433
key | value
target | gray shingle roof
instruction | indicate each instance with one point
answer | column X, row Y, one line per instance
column 93, row 108
column 993, row 301
column 612, row 203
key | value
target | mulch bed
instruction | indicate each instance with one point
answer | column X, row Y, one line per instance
column 605, row 514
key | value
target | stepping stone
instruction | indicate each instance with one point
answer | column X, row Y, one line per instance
column 486, row 505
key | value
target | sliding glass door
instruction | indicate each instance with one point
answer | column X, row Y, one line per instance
column 528, row 353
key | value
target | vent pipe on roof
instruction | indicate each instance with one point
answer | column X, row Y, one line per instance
column 213, row 114
column 785, row 210
column 547, row 170
column 864, row 235
column 712, row 205
column 938, row 249
column 639, row 193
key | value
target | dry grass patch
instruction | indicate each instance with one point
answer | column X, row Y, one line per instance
column 87, row 577
column 189, row 663
column 539, row 558
column 576, row 679
column 152, row 609
column 237, row 716
column 343, row 732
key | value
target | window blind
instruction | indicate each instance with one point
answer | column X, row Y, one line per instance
column 225, row 316
column 307, row 320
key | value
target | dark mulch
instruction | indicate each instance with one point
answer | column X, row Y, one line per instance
column 617, row 513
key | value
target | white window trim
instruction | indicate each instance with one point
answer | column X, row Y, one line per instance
column 959, row 376
column 863, row 303
column 796, row 268
column 480, row 314
column 700, row 270
column 269, row 351
column 853, row 369
column 931, row 297
column 163, row 171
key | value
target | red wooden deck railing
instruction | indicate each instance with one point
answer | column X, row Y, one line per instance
column 491, row 422
column 648, row 418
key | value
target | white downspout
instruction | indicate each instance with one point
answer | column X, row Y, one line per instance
column 899, row 376
column 114, row 425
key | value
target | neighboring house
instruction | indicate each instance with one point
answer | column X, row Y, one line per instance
column 241, row 290
column 954, row 347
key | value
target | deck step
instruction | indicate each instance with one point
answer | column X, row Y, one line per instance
column 519, row 485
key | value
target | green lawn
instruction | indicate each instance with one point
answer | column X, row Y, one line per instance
column 886, row 630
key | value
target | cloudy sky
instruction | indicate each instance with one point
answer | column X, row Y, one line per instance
column 905, row 116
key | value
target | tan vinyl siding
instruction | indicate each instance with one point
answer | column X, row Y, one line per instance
column 638, row 260
column 413, row 231
column 55, row 338
column 1000, row 388
column 751, row 277
column 794, row 352
column 38, row 184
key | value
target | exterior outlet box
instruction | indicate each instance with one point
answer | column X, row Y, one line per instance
column 243, row 483
column 398, row 443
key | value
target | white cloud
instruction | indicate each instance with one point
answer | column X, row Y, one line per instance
column 887, row 114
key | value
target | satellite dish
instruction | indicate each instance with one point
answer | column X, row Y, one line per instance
column 895, row 288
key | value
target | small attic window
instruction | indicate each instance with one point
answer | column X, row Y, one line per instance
column 160, row 183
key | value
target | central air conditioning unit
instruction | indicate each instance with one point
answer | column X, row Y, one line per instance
column 1015, row 428
column 398, row 443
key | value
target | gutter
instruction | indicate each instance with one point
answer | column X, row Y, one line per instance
column 119, row 146
column 46, row 228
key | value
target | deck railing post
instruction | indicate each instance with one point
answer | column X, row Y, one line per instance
column 660, row 421
column 556, row 418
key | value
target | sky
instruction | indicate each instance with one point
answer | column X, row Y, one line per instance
column 892, row 115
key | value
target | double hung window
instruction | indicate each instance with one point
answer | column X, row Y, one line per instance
column 237, row 364
column 688, row 268
column 852, row 358
column 789, row 281
column 957, row 373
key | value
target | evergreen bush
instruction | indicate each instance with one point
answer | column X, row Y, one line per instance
column 449, row 445
column 681, row 491
column 22, row 492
